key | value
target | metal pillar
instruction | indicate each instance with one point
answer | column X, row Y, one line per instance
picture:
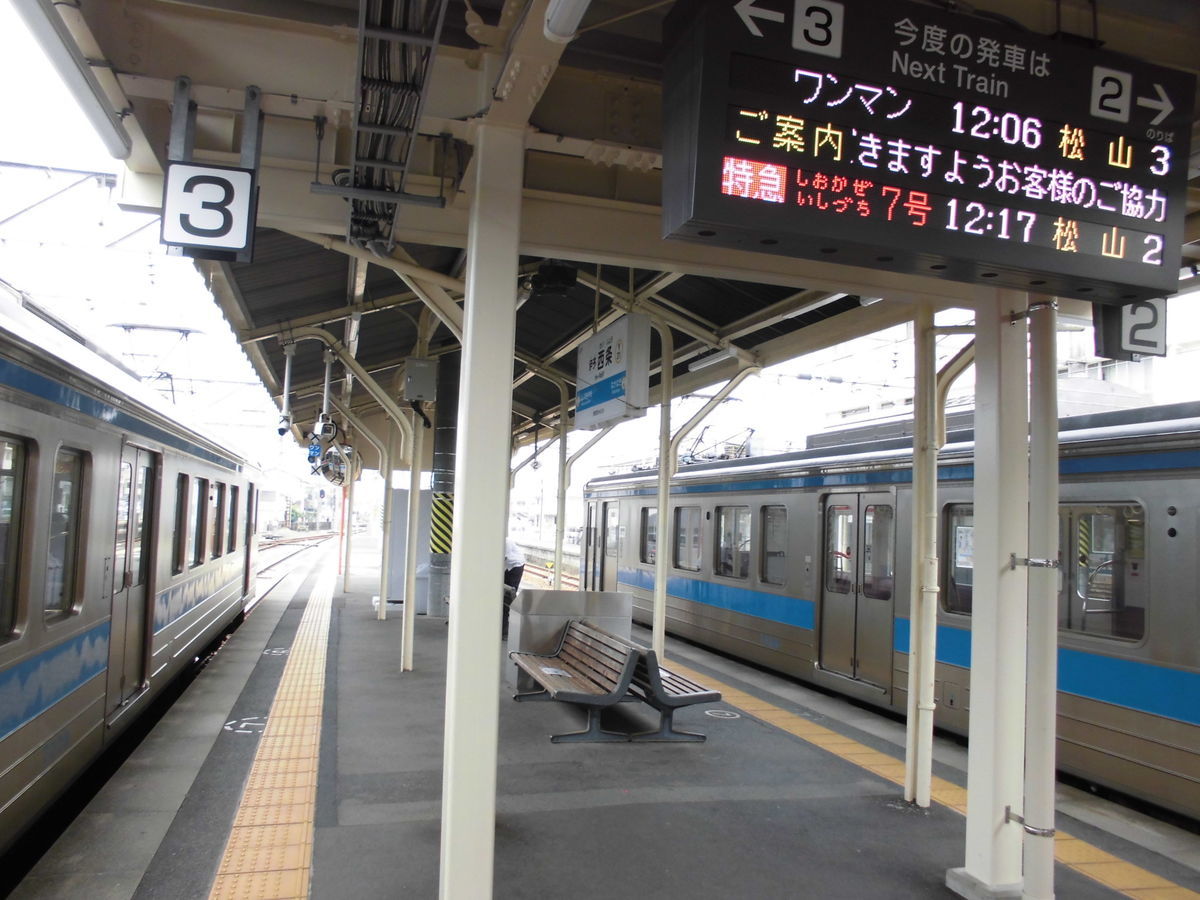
column 995, row 774
column 349, row 506
column 922, row 616
column 658, row 640
column 389, row 515
column 410, row 546
column 666, row 468
column 1041, row 714
column 484, row 431
column 445, row 429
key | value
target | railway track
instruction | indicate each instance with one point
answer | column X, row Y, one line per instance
column 544, row 576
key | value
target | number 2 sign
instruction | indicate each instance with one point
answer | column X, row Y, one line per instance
column 207, row 206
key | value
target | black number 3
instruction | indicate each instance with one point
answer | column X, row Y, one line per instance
column 822, row 35
column 218, row 206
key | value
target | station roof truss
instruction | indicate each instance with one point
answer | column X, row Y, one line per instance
column 370, row 119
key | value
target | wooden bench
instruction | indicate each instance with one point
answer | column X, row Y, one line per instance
column 596, row 669
column 590, row 668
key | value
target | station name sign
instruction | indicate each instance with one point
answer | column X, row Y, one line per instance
column 898, row 136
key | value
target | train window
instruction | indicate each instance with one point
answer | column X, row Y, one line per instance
column 649, row 540
column 879, row 562
column 612, row 529
column 231, row 525
column 66, row 506
column 772, row 564
column 179, row 563
column 217, row 544
column 124, row 495
column 1104, row 591
column 960, row 559
column 139, row 558
column 12, row 492
column 197, row 512
column 687, row 538
column 733, row 541
column 839, row 548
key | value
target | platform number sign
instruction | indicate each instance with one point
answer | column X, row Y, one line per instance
column 208, row 208
column 1132, row 331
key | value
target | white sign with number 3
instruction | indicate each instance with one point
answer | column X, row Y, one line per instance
column 207, row 206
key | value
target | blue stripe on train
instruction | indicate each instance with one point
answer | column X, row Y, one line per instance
column 1161, row 691
column 34, row 685
column 23, row 379
column 1174, row 693
column 776, row 607
column 1133, row 462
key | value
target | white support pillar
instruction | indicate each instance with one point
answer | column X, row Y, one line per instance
column 481, row 491
column 1042, row 695
column 995, row 759
column 411, row 539
column 348, row 506
column 666, row 468
column 389, row 517
column 922, row 615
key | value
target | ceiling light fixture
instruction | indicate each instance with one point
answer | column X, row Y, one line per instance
column 50, row 31
column 562, row 19
column 812, row 307
column 713, row 359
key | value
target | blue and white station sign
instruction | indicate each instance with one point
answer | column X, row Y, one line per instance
column 613, row 374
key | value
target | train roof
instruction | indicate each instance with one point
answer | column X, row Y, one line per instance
column 24, row 325
column 1167, row 421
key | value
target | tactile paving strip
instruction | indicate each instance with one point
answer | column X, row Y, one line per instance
column 269, row 854
column 1099, row 865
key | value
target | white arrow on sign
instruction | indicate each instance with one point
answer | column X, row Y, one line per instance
column 748, row 11
column 1163, row 104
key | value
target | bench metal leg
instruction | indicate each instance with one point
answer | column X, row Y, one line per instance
column 592, row 733
column 666, row 731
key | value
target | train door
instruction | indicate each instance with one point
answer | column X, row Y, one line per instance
column 588, row 569
column 610, row 541
column 133, row 547
column 858, row 586
column 251, row 543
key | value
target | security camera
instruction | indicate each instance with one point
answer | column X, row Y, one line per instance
column 285, row 424
column 324, row 428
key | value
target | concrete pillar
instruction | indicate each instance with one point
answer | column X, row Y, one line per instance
column 922, row 614
column 476, row 570
column 996, row 756
column 1042, row 697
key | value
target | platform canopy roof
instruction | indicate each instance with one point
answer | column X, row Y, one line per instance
column 330, row 257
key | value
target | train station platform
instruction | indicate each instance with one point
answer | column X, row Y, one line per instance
column 301, row 762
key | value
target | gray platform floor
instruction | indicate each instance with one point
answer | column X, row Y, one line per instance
column 753, row 812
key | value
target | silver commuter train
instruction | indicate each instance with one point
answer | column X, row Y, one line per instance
column 801, row 563
column 126, row 546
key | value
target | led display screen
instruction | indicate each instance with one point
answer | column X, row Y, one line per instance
column 902, row 137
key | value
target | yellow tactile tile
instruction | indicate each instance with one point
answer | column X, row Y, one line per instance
column 1175, row 892
column 1122, row 876
column 268, row 857
column 1126, row 878
column 280, row 885
column 269, row 852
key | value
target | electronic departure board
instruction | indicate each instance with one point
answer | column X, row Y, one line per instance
column 898, row 136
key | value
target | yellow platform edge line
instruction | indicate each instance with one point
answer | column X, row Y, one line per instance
column 268, row 855
column 1079, row 856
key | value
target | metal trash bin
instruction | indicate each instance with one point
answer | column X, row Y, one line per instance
column 537, row 619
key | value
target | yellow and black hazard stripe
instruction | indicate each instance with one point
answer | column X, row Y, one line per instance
column 441, row 522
